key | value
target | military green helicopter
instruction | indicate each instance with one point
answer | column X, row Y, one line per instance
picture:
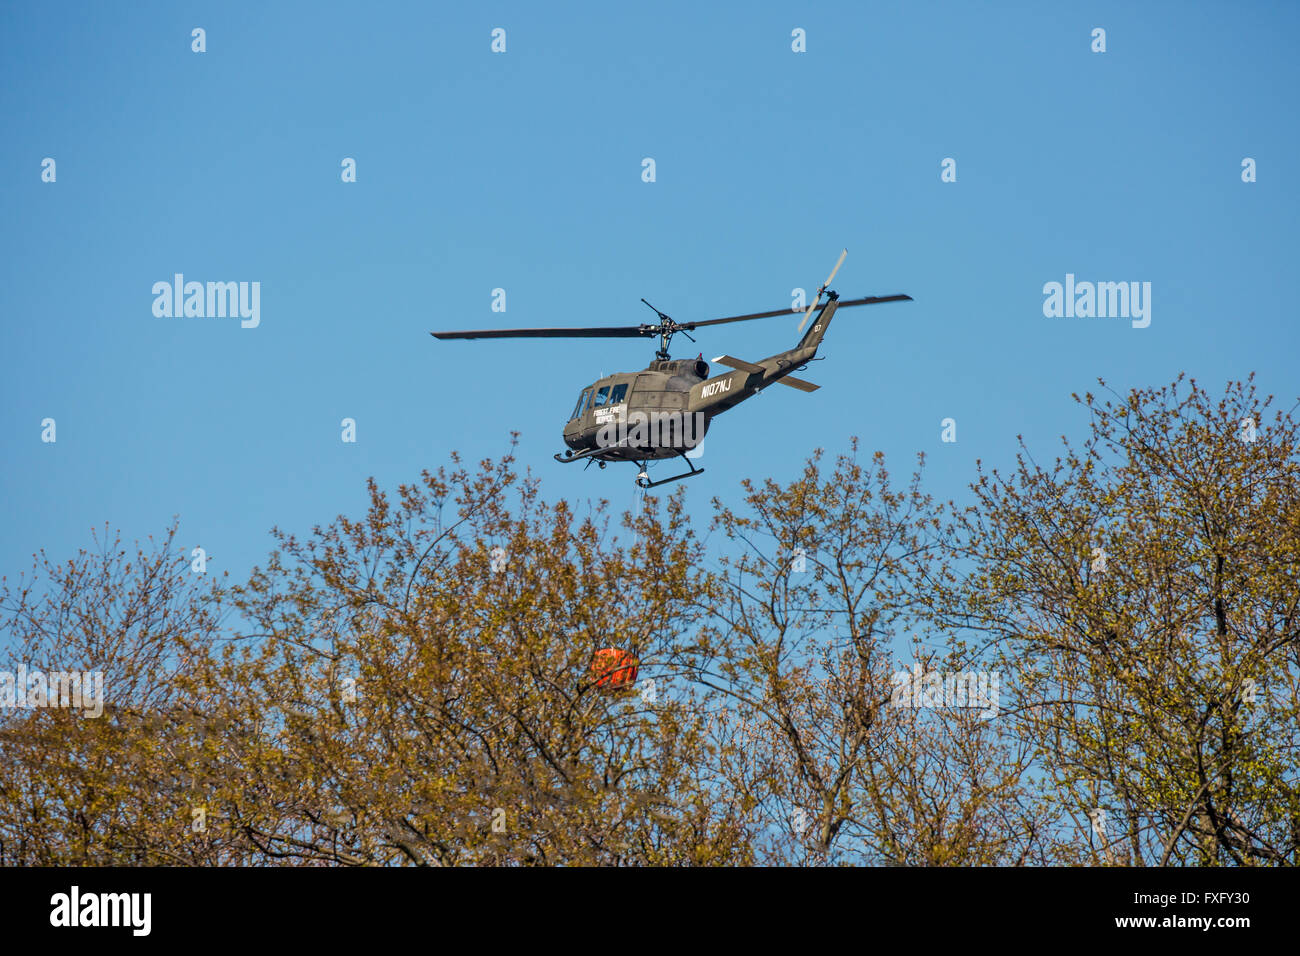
column 665, row 410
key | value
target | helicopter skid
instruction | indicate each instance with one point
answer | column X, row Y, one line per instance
column 643, row 480
column 620, row 452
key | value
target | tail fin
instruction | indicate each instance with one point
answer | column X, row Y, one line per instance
column 813, row 337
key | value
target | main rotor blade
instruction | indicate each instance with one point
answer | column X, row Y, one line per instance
column 594, row 332
column 873, row 299
column 637, row 331
column 737, row 318
column 868, row 300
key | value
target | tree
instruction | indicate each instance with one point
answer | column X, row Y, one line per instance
column 430, row 692
column 810, row 619
column 1142, row 593
column 103, row 788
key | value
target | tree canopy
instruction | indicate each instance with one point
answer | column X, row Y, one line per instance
column 1089, row 661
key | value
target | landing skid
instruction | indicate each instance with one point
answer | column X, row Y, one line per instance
column 643, row 479
column 586, row 453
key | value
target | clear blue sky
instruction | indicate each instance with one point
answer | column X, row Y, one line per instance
column 523, row 171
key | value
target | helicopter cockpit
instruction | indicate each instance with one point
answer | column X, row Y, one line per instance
column 605, row 395
column 582, row 404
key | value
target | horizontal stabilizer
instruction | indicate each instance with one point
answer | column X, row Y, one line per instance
column 740, row 364
column 798, row 383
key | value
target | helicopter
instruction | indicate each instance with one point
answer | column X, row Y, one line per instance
column 664, row 410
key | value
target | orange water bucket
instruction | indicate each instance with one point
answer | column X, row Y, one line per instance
column 614, row 669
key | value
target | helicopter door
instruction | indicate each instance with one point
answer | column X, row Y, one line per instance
column 615, row 409
column 608, row 404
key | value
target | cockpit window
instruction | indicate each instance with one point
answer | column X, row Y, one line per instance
column 582, row 401
column 601, row 397
column 620, row 391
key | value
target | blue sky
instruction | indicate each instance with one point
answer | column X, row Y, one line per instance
column 522, row 171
